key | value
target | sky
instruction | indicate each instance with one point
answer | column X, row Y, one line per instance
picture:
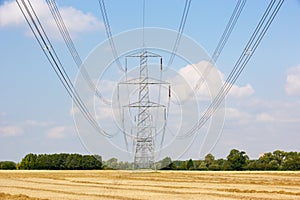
column 262, row 111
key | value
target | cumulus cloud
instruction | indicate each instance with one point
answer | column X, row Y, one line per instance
column 191, row 74
column 57, row 132
column 292, row 85
column 10, row 15
column 196, row 79
column 76, row 21
column 193, row 77
column 241, row 91
column 10, row 131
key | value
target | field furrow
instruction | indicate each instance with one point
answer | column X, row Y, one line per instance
column 125, row 185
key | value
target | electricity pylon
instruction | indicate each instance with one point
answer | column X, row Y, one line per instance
column 144, row 129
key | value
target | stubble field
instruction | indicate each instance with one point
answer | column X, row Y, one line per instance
column 72, row 185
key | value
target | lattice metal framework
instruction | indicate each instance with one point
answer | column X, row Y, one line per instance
column 144, row 129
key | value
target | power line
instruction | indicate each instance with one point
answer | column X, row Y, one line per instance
column 229, row 28
column 244, row 58
column 109, row 34
column 221, row 44
column 44, row 42
column 71, row 47
column 180, row 30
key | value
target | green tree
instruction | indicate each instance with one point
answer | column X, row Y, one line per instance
column 73, row 161
column 43, row 162
column 98, row 157
column 237, row 159
column 164, row 163
column 112, row 163
column 222, row 164
column 29, row 162
column 8, row 165
column 125, row 165
column 202, row 166
column 272, row 165
column 264, row 160
column 189, row 164
column 252, row 165
column 209, row 160
column 90, row 162
column 291, row 161
column 171, row 166
column 279, row 156
column 61, row 161
column 270, row 161
column 182, row 165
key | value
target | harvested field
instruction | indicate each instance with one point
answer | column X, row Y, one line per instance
column 122, row 185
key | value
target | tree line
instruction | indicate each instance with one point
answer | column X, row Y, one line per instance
column 62, row 161
column 236, row 160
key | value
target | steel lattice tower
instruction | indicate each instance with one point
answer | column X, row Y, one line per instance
column 144, row 129
column 144, row 150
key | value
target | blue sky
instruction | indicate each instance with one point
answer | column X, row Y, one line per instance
column 262, row 111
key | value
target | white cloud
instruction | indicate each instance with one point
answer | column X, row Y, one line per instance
column 10, row 15
column 237, row 116
column 37, row 123
column 292, row 85
column 276, row 119
column 197, row 76
column 104, row 113
column 76, row 21
column 11, row 131
column 57, row 132
column 239, row 92
column 264, row 117
column 192, row 76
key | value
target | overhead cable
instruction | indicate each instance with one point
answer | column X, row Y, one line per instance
column 180, row 30
column 222, row 42
column 51, row 55
column 72, row 49
column 255, row 39
column 109, row 34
